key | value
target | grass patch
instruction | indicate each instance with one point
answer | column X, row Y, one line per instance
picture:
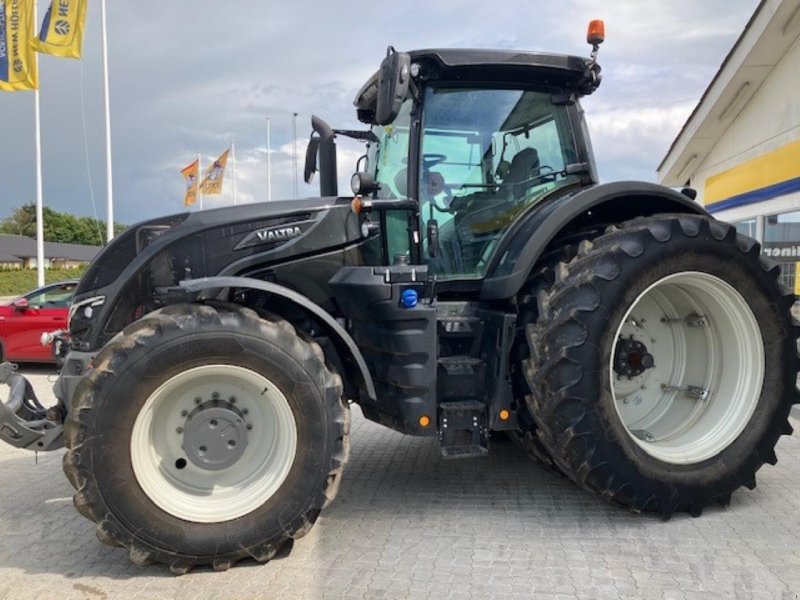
column 14, row 282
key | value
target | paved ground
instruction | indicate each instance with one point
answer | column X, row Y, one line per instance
column 410, row 525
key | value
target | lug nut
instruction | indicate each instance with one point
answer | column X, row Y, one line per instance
column 233, row 400
column 179, row 430
column 198, row 400
column 184, row 413
column 215, row 396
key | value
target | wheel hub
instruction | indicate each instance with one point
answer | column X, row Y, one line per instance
column 215, row 436
column 631, row 358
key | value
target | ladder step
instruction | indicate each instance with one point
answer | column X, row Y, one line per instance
column 462, row 405
column 460, row 360
column 463, row 429
column 461, row 365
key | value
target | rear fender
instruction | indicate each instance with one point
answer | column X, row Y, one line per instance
column 552, row 220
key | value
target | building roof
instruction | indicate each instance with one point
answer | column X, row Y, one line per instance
column 15, row 248
column 766, row 38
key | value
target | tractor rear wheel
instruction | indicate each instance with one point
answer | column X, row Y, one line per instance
column 663, row 364
column 205, row 435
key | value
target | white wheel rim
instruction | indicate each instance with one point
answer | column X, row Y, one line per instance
column 189, row 492
column 702, row 336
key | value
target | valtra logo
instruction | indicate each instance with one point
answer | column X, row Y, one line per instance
column 274, row 235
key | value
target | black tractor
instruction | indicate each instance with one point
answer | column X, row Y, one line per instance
column 478, row 280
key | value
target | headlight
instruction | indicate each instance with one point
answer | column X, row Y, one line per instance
column 362, row 183
column 86, row 307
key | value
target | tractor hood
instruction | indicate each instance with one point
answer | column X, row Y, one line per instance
column 254, row 240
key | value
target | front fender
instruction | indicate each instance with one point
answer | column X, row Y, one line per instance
column 339, row 336
column 598, row 205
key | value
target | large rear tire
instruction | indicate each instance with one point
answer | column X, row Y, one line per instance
column 205, row 435
column 663, row 364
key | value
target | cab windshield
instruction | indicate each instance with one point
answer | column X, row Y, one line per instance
column 487, row 155
column 387, row 162
column 387, row 159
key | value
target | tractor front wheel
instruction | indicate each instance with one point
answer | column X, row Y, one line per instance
column 206, row 435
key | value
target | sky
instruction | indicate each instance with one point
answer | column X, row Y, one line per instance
column 190, row 77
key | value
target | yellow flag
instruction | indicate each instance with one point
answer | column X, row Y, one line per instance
column 17, row 60
column 191, row 175
column 62, row 29
column 212, row 183
column 797, row 279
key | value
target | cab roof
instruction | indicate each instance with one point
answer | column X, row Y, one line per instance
column 570, row 73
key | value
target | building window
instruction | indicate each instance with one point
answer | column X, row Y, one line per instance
column 782, row 244
column 747, row 227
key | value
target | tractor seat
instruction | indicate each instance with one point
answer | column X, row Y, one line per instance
column 524, row 167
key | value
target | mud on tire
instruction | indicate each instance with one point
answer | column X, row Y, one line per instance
column 570, row 372
column 157, row 349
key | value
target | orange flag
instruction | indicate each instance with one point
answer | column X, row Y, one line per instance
column 212, row 183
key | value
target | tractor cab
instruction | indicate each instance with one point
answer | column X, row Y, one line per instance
column 462, row 143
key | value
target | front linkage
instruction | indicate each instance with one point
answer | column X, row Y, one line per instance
column 24, row 422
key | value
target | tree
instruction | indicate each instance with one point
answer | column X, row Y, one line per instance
column 58, row 226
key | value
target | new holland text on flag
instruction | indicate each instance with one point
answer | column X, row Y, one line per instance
column 17, row 60
column 212, row 182
column 191, row 175
column 62, row 29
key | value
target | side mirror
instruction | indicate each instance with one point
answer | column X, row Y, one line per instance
column 393, row 80
column 311, row 159
column 21, row 304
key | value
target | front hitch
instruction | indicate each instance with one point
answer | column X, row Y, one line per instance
column 24, row 422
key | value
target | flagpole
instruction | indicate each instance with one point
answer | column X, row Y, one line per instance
column 39, row 208
column 109, row 181
column 294, row 153
column 233, row 159
column 269, row 160
column 199, row 178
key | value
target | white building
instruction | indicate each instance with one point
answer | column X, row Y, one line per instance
column 740, row 148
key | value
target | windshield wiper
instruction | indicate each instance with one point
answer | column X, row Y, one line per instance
column 358, row 134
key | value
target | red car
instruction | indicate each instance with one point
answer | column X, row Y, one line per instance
column 23, row 320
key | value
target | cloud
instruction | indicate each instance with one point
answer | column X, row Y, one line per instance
column 184, row 82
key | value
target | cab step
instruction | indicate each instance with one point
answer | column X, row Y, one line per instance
column 463, row 429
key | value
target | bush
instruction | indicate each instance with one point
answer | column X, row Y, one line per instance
column 14, row 282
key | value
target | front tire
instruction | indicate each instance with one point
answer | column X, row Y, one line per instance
column 663, row 365
column 205, row 435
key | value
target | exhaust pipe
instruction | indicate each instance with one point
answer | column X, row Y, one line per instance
column 328, row 180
